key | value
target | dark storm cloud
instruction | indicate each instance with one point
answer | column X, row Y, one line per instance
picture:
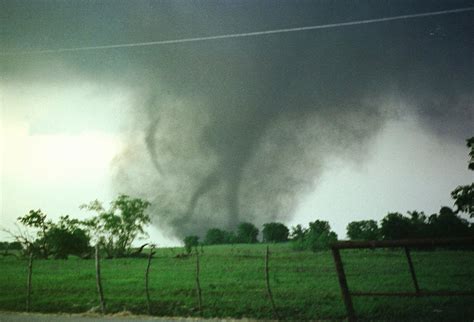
column 238, row 129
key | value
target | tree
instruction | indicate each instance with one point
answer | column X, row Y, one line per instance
column 363, row 230
column 395, row 226
column 116, row 229
column 464, row 195
column 319, row 235
column 67, row 238
column 448, row 224
column 275, row 232
column 216, row 236
column 35, row 219
column 247, row 233
column 419, row 225
column 58, row 239
column 297, row 237
column 190, row 242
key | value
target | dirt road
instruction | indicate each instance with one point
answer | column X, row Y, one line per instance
column 25, row 317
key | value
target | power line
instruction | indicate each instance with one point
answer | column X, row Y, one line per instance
column 241, row 35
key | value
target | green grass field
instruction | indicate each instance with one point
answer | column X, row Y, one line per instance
column 304, row 284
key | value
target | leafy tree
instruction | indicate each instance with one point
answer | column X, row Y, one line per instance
column 363, row 230
column 419, row 225
column 448, row 224
column 14, row 245
column 464, row 199
column 247, row 233
column 319, row 235
column 275, row 232
column 115, row 229
column 297, row 237
column 67, row 238
column 395, row 226
column 464, row 195
column 216, row 236
column 35, row 219
column 190, row 242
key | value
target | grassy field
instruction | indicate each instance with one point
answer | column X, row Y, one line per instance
column 304, row 284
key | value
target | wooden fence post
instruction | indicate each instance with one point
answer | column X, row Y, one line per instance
column 267, row 280
column 98, row 279
column 198, row 284
column 28, row 283
column 412, row 270
column 150, row 256
column 346, row 296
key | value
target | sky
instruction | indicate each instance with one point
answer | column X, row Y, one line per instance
column 337, row 124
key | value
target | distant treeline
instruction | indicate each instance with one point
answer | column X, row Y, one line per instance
column 116, row 228
column 318, row 235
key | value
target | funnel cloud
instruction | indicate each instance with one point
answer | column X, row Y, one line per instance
column 236, row 130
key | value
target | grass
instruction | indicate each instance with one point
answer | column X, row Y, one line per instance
column 304, row 284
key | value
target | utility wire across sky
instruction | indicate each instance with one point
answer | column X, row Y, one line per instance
column 241, row 35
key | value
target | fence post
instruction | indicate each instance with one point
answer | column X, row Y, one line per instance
column 28, row 283
column 98, row 279
column 146, row 279
column 267, row 281
column 198, row 284
column 346, row 296
column 412, row 270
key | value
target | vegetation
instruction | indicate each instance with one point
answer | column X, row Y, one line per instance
column 216, row 236
column 304, row 284
column 317, row 237
column 417, row 225
column 247, row 233
column 464, row 195
column 363, row 230
column 190, row 242
column 275, row 232
column 115, row 229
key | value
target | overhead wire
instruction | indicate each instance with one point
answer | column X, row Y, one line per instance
column 241, row 35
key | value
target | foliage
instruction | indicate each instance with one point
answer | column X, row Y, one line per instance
column 445, row 224
column 115, row 229
column 470, row 144
column 35, row 219
column 395, row 226
column 216, row 236
column 15, row 245
column 363, row 230
column 190, row 242
column 448, row 224
column 67, row 238
column 464, row 195
column 275, row 232
column 247, row 233
column 464, row 199
column 297, row 237
column 317, row 237
column 320, row 235
column 58, row 239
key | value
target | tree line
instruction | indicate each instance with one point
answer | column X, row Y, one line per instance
column 115, row 228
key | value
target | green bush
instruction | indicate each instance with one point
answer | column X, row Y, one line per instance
column 190, row 242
